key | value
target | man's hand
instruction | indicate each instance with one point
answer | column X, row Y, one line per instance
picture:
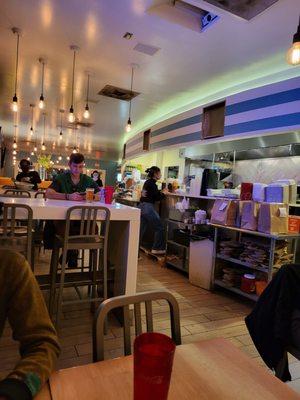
column 165, row 191
column 76, row 197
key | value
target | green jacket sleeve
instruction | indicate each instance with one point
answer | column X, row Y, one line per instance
column 30, row 322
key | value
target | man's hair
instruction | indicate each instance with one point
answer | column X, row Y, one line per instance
column 76, row 158
column 24, row 163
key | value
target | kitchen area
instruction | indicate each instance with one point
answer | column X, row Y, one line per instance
column 231, row 213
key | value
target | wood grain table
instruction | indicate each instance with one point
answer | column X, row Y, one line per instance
column 207, row 370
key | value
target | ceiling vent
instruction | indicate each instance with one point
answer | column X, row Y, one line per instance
column 181, row 12
column 118, row 93
column 146, row 49
column 246, row 9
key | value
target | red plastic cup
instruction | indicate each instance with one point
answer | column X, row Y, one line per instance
column 153, row 361
column 108, row 194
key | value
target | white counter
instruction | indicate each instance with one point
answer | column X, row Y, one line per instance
column 123, row 234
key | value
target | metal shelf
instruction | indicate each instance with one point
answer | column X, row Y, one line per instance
column 256, row 233
column 177, row 244
column 242, row 263
column 233, row 289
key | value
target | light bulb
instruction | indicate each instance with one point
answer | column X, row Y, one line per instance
column 60, row 135
column 14, row 157
column 28, row 158
column 293, row 54
column 15, row 144
column 57, row 161
column 68, row 158
column 14, row 105
column 31, row 131
column 14, row 162
column 14, row 153
column 71, row 116
column 43, row 147
column 74, row 150
column 32, row 153
column 41, row 102
column 35, row 148
column 60, row 157
column 86, row 113
column 128, row 126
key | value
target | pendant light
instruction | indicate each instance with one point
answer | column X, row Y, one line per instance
column 293, row 54
column 17, row 32
column 128, row 126
column 32, row 153
column 42, row 100
column 61, row 124
column 71, row 116
column 43, row 144
column 31, row 128
column 86, row 113
column 74, row 150
column 15, row 137
column 59, row 157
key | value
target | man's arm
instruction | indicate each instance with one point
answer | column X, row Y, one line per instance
column 53, row 192
column 31, row 326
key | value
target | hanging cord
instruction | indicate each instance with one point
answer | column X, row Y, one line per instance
column 31, row 117
column 17, row 63
column 88, row 89
column 74, row 57
column 43, row 69
column 44, row 128
column 131, row 91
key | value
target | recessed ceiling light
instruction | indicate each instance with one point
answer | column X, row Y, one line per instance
column 128, row 36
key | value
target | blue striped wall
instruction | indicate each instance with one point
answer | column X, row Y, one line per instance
column 270, row 108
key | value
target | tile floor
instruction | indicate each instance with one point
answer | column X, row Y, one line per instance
column 203, row 315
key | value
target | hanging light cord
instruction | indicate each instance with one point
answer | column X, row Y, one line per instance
column 61, row 122
column 32, row 117
column 17, row 63
column 74, row 57
column 87, row 89
column 44, row 129
column 43, row 69
column 131, row 92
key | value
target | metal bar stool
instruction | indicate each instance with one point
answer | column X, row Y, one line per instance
column 40, row 194
column 136, row 300
column 13, row 235
column 16, row 193
column 86, row 237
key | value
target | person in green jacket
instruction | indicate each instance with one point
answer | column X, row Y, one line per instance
column 22, row 303
column 70, row 185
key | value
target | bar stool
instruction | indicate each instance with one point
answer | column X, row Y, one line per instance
column 13, row 235
column 40, row 194
column 16, row 193
column 86, row 237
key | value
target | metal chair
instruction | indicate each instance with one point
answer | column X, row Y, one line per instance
column 17, row 193
column 13, row 235
column 136, row 300
column 87, row 238
column 41, row 194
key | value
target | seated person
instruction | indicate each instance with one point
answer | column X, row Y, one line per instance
column 22, row 303
column 97, row 178
column 28, row 176
column 70, row 185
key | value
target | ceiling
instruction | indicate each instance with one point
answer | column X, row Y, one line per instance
column 188, row 69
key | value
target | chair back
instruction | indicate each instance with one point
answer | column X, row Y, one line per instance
column 17, row 193
column 41, row 194
column 87, row 217
column 124, row 302
column 12, row 234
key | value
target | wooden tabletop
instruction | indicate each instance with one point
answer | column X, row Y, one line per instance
column 207, row 370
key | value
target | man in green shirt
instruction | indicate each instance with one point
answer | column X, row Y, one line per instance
column 70, row 185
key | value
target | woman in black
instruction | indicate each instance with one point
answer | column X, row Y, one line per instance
column 149, row 216
column 28, row 176
column 96, row 178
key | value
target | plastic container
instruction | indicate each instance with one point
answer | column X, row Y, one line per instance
column 260, row 287
column 248, row 283
column 109, row 193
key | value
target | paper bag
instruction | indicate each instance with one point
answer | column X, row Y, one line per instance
column 249, row 215
column 224, row 212
column 273, row 218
